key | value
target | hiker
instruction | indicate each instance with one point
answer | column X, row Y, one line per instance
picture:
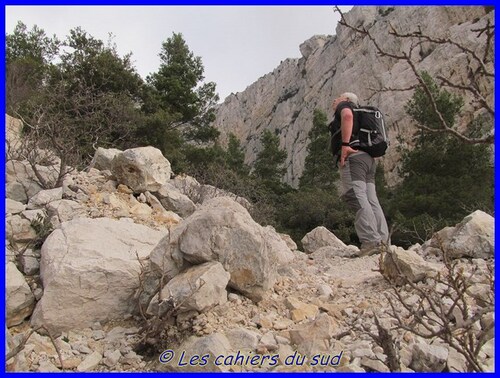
column 357, row 173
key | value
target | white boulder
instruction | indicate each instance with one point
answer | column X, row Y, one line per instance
column 320, row 237
column 473, row 237
column 222, row 230
column 198, row 288
column 103, row 158
column 90, row 270
column 141, row 169
column 398, row 264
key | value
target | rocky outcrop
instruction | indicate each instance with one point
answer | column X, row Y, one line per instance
column 284, row 100
column 473, row 237
column 222, row 230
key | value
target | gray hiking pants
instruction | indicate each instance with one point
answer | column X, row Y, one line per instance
column 358, row 191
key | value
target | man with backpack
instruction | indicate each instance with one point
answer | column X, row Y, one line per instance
column 360, row 134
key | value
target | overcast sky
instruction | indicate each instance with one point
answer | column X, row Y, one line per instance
column 237, row 44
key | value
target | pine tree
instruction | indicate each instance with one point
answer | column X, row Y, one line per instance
column 235, row 156
column 270, row 160
column 319, row 167
column 178, row 89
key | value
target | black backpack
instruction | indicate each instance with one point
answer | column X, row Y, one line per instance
column 368, row 134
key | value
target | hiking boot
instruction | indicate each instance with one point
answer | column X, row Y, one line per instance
column 369, row 248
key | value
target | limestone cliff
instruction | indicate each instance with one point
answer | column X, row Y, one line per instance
column 284, row 100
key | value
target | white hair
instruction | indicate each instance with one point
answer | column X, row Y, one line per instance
column 351, row 97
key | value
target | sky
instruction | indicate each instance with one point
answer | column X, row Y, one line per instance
column 237, row 44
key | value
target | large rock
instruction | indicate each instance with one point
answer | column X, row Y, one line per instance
column 65, row 210
column 173, row 200
column 103, row 158
column 320, row 237
column 398, row 264
column 434, row 246
column 198, row 288
column 165, row 260
column 14, row 207
column 20, row 299
column 222, row 230
column 314, row 337
column 429, row 358
column 19, row 229
column 16, row 191
column 44, row 197
column 473, row 237
column 141, row 169
column 90, row 270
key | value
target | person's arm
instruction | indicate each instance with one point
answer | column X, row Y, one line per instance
column 347, row 121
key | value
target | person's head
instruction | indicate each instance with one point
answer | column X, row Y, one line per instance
column 346, row 96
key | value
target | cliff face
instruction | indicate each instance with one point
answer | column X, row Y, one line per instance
column 284, row 100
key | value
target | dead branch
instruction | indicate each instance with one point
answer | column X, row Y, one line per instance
column 447, row 41
column 388, row 344
column 167, row 308
column 383, row 338
column 432, row 316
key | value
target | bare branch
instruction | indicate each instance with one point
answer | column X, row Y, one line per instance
column 447, row 41
column 434, row 313
column 478, row 96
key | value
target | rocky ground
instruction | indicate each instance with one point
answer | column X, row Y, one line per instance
column 348, row 290
column 343, row 288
